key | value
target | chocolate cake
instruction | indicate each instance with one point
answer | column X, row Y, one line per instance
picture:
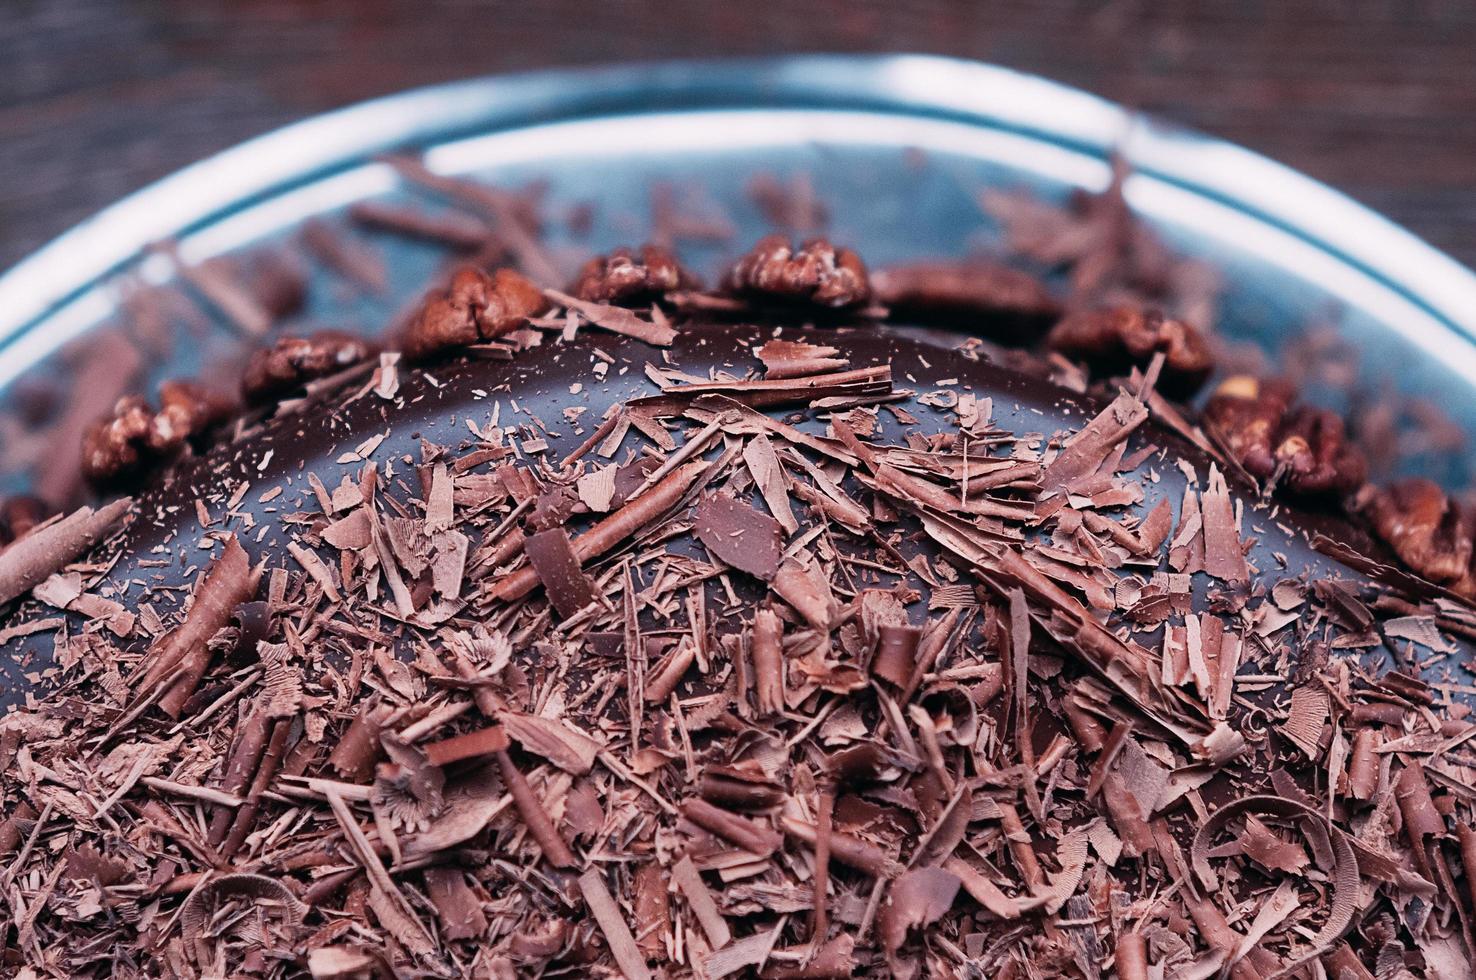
column 783, row 630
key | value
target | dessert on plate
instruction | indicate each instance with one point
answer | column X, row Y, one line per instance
column 824, row 623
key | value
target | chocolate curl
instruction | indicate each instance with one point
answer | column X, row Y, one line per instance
column 1378, row 713
column 768, row 662
column 729, row 788
column 652, row 916
column 1344, row 874
column 354, row 756
column 1090, row 732
column 251, row 742
column 669, row 674
column 271, row 762
column 611, row 531
column 555, row 849
column 36, row 556
column 850, row 851
column 471, row 745
column 1127, row 817
column 180, row 658
column 732, row 828
column 934, row 641
column 1343, row 964
column 1363, row 764
column 1131, row 956
column 820, row 923
column 1217, row 934
column 1421, row 819
column 1021, row 847
column 325, row 888
column 1464, row 834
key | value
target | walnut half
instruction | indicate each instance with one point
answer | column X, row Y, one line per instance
column 291, row 362
column 1305, row 449
column 1116, row 338
column 627, row 279
column 817, row 273
column 125, row 444
column 474, row 307
column 1429, row 531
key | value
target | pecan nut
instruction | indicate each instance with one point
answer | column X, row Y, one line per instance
column 125, row 444
column 474, row 307
column 1113, row 339
column 818, row 273
column 1306, row 449
column 1430, row 532
column 291, row 362
column 628, row 279
column 988, row 297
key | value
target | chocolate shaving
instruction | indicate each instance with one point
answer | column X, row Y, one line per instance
column 558, row 742
column 917, row 899
column 1345, row 875
column 763, row 464
column 729, row 826
column 798, row 358
column 1085, row 451
column 860, row 383
column 739, row 535
column 612, row 923
column 616, row 319
column 557, row 566
column 457, row 907
column 608, row 533
column 686, row 879
column 1223, row 557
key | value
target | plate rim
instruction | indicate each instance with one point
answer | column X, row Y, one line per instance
column 99, row 247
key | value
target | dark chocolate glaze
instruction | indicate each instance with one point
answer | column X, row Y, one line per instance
column 537, row 386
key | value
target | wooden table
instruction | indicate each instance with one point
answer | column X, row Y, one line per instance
column 98, row 97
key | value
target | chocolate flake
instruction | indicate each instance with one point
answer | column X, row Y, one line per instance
column 557, row 567
column 740, row 535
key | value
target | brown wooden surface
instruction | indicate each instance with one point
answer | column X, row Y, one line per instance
column 98, row 97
